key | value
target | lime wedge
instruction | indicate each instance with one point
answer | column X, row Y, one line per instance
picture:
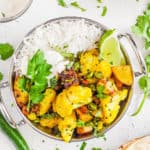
column 110, row 49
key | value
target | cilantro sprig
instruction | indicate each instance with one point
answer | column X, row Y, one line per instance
column 142, row 26
column 6, row 51
column 144, row 84
column 36, row 81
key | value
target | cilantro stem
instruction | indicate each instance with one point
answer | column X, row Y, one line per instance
column 141, row 105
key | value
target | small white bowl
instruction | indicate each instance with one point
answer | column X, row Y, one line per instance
column 17, row 14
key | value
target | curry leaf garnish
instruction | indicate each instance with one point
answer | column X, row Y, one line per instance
column 144, row 84
column 37, row 72
column 6, row 51
column 142, row 26
column 75, row 4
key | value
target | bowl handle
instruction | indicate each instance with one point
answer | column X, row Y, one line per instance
column 133, row 53
column 4, row 110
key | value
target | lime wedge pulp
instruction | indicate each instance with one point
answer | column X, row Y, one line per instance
column 110, row 49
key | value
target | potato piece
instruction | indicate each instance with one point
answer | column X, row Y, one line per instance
column 67, row 126
column 45, row 104
column 72, row 98
column 105, row 68
column 84, row 130
column 49, row 122
column 84, row 116
column 20, row 95
column 123, row 74
column 89, row 61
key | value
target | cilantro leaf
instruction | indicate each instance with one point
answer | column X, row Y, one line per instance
column 75, row 4
column 144, row 84
column 83, row 146
column 80, row 123
column 94, row 148
column 142, row 26
column 36, row 97
column 23, row 83
column 100, row 90
column 1, row 76
column 62, row 3
column 6, row 51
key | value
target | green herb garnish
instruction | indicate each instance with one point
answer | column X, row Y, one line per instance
column 3, row 14
column 1, row 76
column 76, row 5
column 37, row 72
column 144, row 84
column 100, row 91
column 94, row 148
column 6, row 51
column 83, row 146
column 104, row 12
column 80, row 123
column 53, row 82
column 142, row 26
column 64, row 53
column 62, row 3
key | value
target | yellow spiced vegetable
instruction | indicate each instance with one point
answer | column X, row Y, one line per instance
column 105, row 68
column 89, row 61
column 72, row 98
column 66, row 127
column 123, row 74
column 110, row 106
column 20, row 95
column 45, row 104
column 49, row 122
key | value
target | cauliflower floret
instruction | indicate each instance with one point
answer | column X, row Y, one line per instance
column 72, row 98
column 89, row 61
column 110, row 106
column 20, row 95
column 67, row 126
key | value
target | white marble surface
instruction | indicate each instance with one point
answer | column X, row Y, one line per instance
column 121, row 15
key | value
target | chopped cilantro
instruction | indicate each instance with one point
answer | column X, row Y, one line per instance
column 53, row 82
column 1, row 76
column 62, row 3
column 94, row 148
column 6, row 51
column 80, row 123
column 83, row 146
column 75, row 4
column 104, row 12
column 100, row 90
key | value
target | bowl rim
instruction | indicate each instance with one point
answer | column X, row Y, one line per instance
column 19, row 14
column 116, row 121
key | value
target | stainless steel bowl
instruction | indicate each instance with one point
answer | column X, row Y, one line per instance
column 137, row 64
column 20, row 13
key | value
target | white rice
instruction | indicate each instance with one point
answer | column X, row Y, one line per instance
column 78, row 35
